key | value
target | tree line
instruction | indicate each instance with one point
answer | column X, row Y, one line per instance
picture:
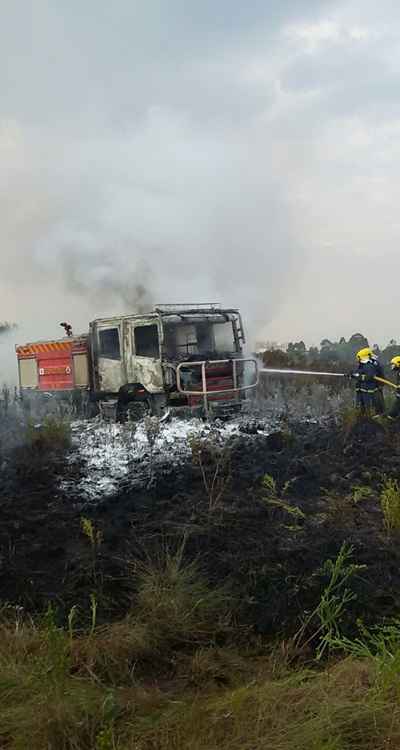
column 331, row 355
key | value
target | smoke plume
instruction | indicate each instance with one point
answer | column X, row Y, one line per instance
column 165, row 214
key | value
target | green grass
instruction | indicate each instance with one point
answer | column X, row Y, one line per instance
column 63, row 704
column 169, row 676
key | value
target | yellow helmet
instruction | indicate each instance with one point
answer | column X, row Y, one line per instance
column 395, row 362
column 364, row 354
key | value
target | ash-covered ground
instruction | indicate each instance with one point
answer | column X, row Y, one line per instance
column 107, row 458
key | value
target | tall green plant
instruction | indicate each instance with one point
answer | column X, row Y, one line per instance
column 390, row 504
column 332, row 604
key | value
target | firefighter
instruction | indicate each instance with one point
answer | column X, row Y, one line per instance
column 369, row 396
column 395, row 410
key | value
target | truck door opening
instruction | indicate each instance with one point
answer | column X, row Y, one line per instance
column 146, row 341
column 109, row 344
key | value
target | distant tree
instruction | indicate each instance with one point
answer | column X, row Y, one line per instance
column 357, row 341
column 297, row 354
column 275, row 358
column 330, row 355
column 328, row 351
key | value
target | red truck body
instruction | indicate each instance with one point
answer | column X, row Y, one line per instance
column 57, row 364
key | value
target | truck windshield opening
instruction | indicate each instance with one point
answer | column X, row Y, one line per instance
column 186, row 340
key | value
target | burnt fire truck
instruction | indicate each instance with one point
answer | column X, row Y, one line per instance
column 175, row 357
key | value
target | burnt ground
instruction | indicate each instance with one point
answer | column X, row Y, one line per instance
column 269, row 557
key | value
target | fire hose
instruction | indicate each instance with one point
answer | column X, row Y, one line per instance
column 386, row 382
column 324, row 374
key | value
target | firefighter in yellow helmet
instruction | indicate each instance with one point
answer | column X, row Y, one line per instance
column 369, row 397
column 395, row 410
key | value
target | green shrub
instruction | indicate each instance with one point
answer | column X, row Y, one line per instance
column 390, row 504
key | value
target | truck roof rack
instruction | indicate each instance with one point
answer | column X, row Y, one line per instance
column 188, row 306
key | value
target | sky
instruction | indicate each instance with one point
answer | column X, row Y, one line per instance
column 182, row 151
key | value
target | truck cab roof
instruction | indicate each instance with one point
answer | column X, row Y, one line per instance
column 177, row 311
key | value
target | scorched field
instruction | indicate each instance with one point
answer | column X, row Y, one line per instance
column 184, row 584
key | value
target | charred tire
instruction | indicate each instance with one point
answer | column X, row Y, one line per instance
column 135, row 403
column 133, row 410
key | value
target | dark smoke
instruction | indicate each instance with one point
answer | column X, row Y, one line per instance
column 110, row 280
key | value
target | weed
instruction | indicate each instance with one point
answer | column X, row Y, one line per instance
column 214, row 463
column 270, row 490
column 292, row 510
column 176, row 604
column 390, row 504
column 173, row 609
column 342, row 507
column 105, row 739
column 93, row 612
column 332, row 604
column 72, row 614
column 56, row 661
column 274, row 499
column 95, row 538
column 360, row 493
column 379, row 645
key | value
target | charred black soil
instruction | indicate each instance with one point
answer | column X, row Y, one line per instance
column 267, row 545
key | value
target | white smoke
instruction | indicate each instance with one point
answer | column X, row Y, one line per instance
column 164, row 214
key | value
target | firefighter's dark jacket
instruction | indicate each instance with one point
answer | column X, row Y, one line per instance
column 367, row 372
